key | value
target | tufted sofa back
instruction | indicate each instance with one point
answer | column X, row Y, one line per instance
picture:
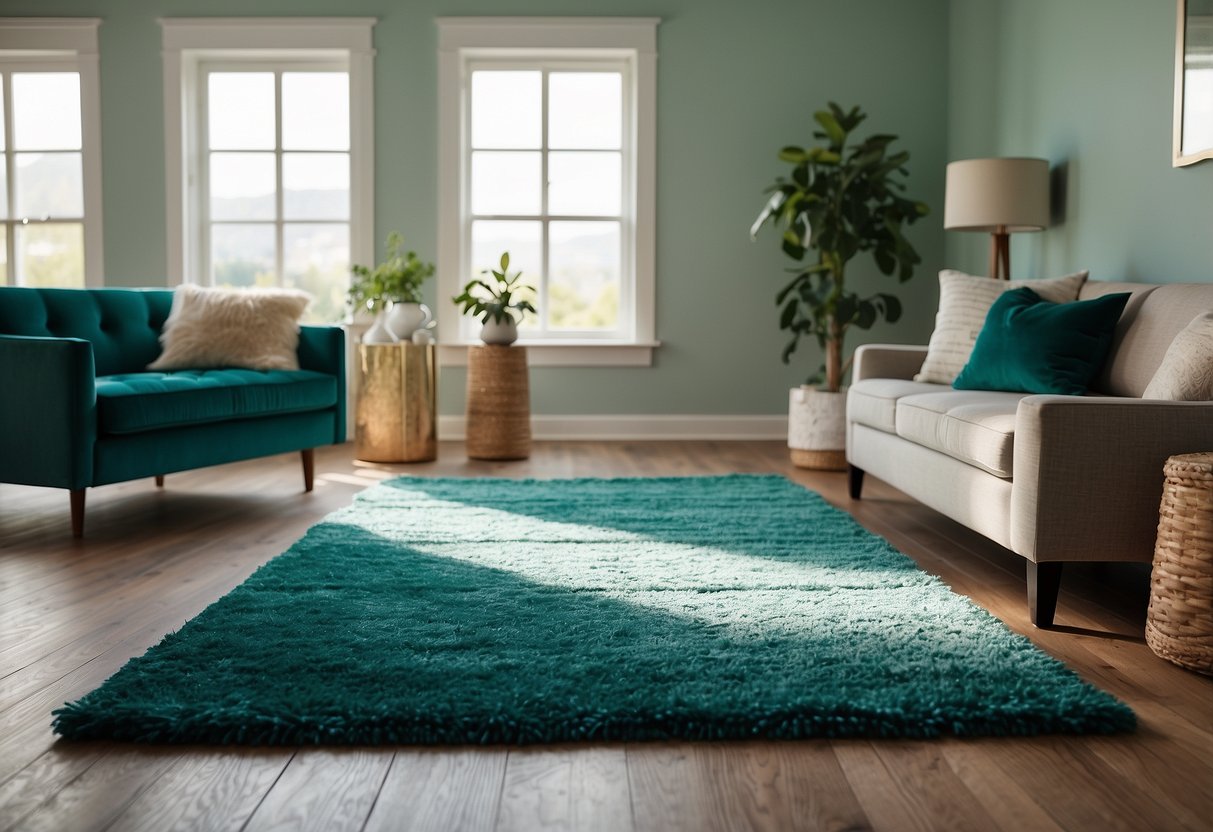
column 122, row 324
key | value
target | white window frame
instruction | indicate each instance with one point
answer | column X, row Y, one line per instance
column 189, row 45
column 630, row 44
column 67, row 44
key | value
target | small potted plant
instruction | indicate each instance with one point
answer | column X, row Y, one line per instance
column 840, row 201
column 398, row 280
column 495, row 303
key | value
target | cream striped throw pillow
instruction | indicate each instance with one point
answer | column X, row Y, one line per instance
column 964, row 302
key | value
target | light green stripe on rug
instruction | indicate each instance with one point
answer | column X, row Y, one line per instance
column 525, row 611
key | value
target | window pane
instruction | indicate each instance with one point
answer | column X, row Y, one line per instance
column 316, row 186
column 242, row 255
column 507, row 109
column 583, row 289
column 316, row 259
column 242, row 186
column 46, row 111
column 524, row 242
column 316, row 110
column 506, row 183
column 240, row 110
column 49, row 185
column 50, row 254
column 587, row 184
column 585, row 110
column 5, row 277
column 3, row 188
column 2, row 115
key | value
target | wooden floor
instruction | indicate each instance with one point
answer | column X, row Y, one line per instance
column 72, row 612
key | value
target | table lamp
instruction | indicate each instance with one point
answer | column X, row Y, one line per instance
column 1000, row 196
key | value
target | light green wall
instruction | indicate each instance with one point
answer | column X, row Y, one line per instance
column 1088, row 85
column 736, row 81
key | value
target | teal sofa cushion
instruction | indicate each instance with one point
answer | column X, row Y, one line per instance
column 1030, row 345
column 137, row 402
column 123, row 325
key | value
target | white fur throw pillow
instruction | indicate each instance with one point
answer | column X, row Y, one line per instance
column 255, row 329
column 1186, row 372
column 964, row 302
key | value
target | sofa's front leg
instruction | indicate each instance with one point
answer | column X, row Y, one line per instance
column 77, row 500
column 1044, row 580
column 309, row 467
column 855, row 481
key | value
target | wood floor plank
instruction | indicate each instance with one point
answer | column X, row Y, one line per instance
column 47, row 775
column 329, row 790
column 212, row 789
column 440, row 790
column 819, row 796
column 96, row 798
column 1008, row 804
column 565, row 788
column 909, row 785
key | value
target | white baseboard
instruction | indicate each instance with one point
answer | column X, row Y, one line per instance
column 639, row 427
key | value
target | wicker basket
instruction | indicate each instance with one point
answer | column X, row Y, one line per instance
column 498, row 403
column 1179, row 625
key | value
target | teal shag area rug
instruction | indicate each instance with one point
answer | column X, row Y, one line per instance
column 536, row 611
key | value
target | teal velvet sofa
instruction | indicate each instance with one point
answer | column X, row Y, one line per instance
column 78, row 407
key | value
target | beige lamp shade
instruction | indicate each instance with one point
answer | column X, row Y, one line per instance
column 997, row 195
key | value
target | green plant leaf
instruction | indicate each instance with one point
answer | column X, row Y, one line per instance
column 792, row 154
column 830, row 124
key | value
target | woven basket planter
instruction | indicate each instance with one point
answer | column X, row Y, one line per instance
column 1179, row 625
column 498, row 403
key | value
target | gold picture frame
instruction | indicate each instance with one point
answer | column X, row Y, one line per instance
column 1193, row 53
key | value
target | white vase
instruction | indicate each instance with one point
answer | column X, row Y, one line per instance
column 502, row 333
column 407, row 318
column 379, row 332
column 817, row 428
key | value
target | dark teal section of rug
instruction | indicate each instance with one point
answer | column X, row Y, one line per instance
column 506, row 611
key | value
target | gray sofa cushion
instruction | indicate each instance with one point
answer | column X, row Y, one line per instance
column 872, row 402
column 1152, row 319
column 973, row 426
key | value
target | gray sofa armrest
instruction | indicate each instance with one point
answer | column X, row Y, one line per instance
column 1088, row 473
column 888, row 361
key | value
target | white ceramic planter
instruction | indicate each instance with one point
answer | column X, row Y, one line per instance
column 817, row 428
column 407, row 318
column 379, row 332
column 501, row 333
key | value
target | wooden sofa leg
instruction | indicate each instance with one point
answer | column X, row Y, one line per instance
column 77, row 500
column 1044, row 579
column 855, row 481
column 160, row 480
column 309, row 467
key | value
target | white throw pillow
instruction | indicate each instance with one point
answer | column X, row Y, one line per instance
column 964, row 302
column 255, row 329
column 1186, row 372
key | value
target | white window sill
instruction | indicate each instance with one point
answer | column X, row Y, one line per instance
column 564, row 353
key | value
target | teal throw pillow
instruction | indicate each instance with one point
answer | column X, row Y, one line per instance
column 1030, row 345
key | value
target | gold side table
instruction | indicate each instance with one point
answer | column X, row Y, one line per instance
column 396, row 410
column 498, row 403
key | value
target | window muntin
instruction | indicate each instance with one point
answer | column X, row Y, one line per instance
column 42, row 202
column 548, row 177
column 275, row 178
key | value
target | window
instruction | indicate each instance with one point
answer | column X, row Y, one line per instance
column 276, row 167
column 273, row 157
column 50, row 202
column 551, row 121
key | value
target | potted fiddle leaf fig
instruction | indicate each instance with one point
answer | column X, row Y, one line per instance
column 496, row 304
column 842, row 200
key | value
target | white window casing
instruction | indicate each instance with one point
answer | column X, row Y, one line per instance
column 64, row 44
column 626, row 45
column 193, row 45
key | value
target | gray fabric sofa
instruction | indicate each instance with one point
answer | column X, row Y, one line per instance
column 1052, row 478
